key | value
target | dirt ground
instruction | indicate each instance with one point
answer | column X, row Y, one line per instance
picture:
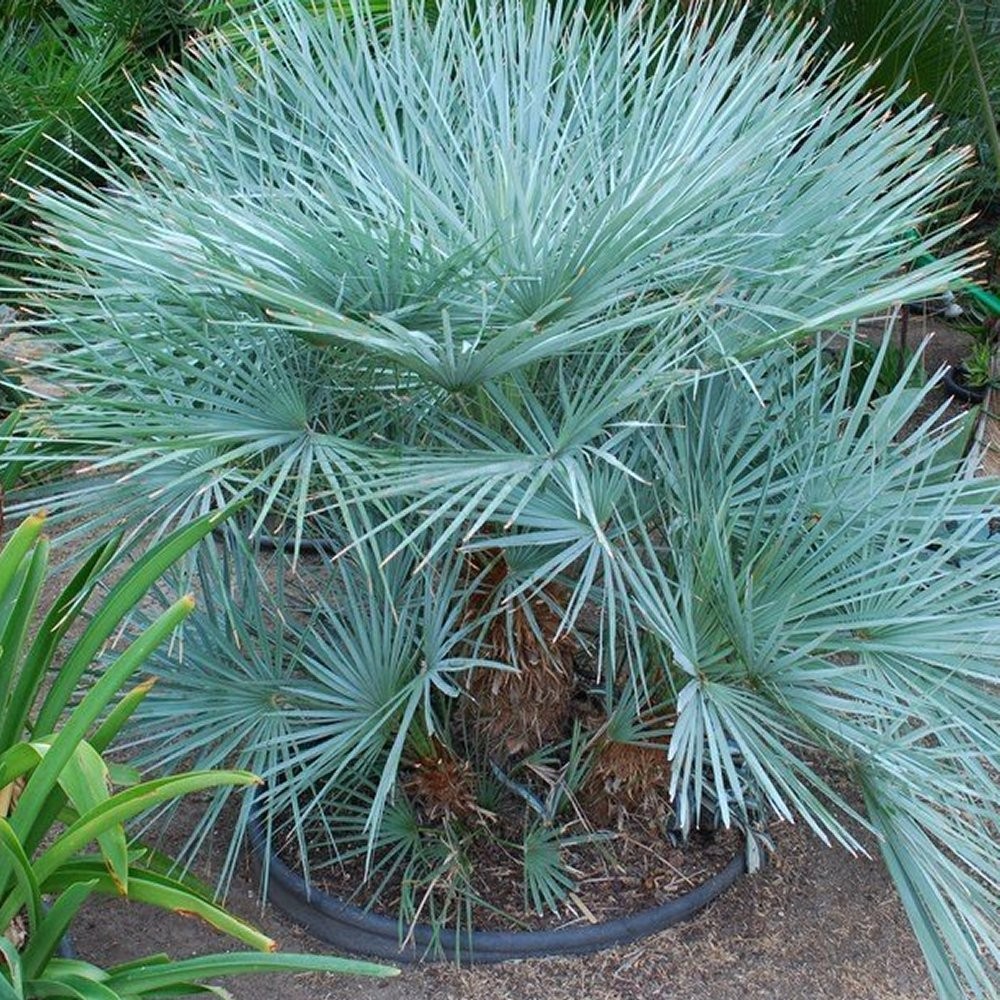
column 816, row 924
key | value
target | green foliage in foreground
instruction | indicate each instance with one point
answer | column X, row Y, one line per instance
column 62, row 820
column 481, row 301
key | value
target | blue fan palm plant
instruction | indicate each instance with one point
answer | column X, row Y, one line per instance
column 482, row 300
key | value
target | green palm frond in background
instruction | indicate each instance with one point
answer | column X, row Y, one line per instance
column 67, row 69
column 944, row 51
column 227, row 15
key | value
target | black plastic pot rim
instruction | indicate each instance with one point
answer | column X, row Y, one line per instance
column 954, row 381
column 317, row 546
column 356, row 930
column 307, row 546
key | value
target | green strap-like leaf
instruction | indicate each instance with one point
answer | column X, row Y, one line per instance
column 17, row 547
column 119, row 715
column 191, row 989
column 116, row 810
column 146, row 980
column 76, row 987
column 11, row 978
column 163, row 892
column 24, row 875
column 57, row 622
column 36, row 809
column 85, row 781
column 19, row 614
column 122, row 598
column 154, row 862
column 16, row 761
column 45, row 938
column 147, row 961
column 126, row 805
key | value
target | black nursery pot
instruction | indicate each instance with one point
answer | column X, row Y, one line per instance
column 306, row 546
column 954, row 380
column 352, row 929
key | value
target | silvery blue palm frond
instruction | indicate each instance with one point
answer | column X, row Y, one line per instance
column 464, row 224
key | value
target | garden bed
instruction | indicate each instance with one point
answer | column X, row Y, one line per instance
column 817, row 924
column 621, row 875
column 524, row 384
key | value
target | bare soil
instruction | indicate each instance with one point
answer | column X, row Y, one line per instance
column 816, row 924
